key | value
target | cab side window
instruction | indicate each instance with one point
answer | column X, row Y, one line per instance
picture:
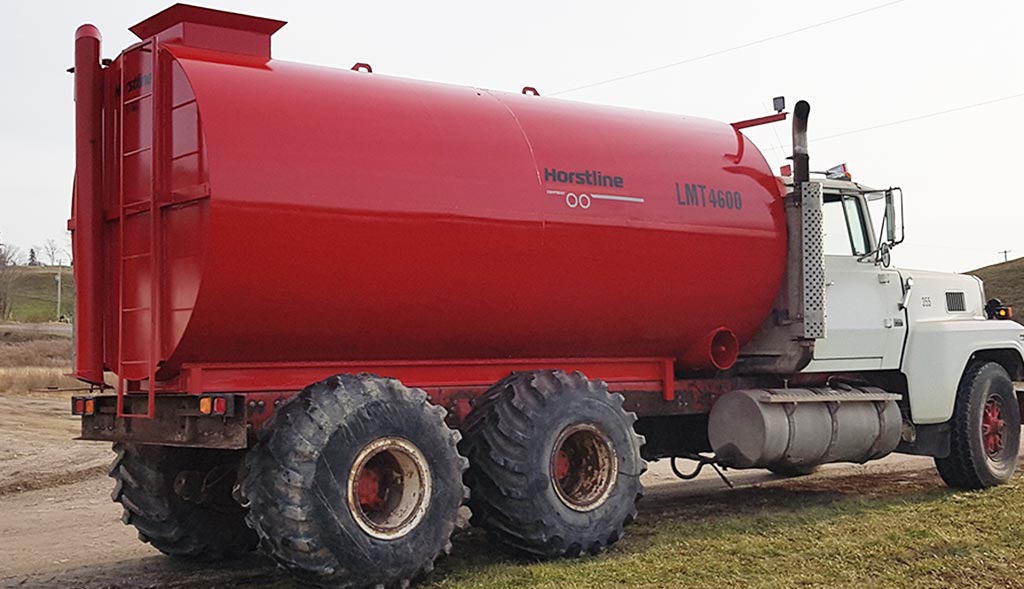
column 843, row 227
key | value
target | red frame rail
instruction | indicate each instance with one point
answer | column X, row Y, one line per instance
column 655, row 374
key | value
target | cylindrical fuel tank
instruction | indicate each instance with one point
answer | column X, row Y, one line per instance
column 322, row 215
column 780, row 428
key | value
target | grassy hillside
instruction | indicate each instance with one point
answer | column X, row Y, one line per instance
column 1004, row 281
column 35, row 294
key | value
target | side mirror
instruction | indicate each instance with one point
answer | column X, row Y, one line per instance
column 894, row 216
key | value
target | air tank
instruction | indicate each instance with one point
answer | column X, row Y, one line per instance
column 258, row 210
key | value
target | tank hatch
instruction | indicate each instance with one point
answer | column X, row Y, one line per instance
column 216, row 30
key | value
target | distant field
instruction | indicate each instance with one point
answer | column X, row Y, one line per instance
column 35, row 294
column 33, row 359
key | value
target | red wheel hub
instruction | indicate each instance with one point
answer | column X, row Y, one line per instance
column 562, row 465
column 370, row 491
column 584, row 467
column 993, row 426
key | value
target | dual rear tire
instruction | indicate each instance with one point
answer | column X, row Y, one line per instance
column 179, row 500
column 554, row 464
column 357, row 481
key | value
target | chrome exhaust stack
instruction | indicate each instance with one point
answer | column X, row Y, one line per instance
column 801, row 159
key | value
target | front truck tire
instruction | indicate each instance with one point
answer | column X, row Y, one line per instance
column 179, row 500
column 357, row 483
column 554, row 464
column 985, row 432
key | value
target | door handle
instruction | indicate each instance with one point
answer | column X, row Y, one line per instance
column 909, row 284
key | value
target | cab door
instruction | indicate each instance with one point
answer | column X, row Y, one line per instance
column 865, row 326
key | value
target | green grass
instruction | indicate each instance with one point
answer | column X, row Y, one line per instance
column 35, row 294
column 1004, row 281
column 870, row 534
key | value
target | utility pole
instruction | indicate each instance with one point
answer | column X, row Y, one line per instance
column 58, row 279
column 1006, row 255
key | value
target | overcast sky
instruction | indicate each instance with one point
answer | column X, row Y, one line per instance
column 959, row 171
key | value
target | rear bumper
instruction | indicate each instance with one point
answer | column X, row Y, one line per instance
column 178, row 422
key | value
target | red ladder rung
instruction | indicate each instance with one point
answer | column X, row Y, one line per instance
column 149, row 205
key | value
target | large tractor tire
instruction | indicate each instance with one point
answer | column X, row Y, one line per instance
column 356, row 483
column 985, row 434
column 554, row 464
column 180, row 500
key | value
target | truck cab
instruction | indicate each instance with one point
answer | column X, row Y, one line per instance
column 918, row 329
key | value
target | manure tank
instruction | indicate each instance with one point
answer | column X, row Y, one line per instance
column 265, row 211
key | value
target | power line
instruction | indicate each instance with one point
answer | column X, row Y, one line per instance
column 722, row 51
column 919, row 117
column 914, row 118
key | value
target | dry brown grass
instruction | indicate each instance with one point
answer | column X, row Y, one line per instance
column 34, row 360
column 50, row 352
column 22, row 379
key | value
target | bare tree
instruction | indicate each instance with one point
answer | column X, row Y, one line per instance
column 52, row 251
column 67, row 247
column 9, row 257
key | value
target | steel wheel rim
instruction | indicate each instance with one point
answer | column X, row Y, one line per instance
column 993, row 426
column 389, row 488
column 584, row 466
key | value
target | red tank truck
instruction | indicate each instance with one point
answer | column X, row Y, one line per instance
column 341, row 305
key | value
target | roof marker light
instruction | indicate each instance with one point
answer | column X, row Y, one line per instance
column 838, row 173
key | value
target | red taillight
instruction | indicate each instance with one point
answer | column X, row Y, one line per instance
column 220, row 405
column 78, row 407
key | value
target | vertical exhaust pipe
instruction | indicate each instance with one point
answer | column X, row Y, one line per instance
column 87, row 209
column 790, row 341
column 801, row 160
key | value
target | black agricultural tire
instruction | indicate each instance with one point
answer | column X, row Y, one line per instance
column 968, row 465
column 213, row 529
column 510, row 438
column 791, row 472
column 299, row 508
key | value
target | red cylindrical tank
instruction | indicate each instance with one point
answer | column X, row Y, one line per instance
column 88, row 188
column 314, row 214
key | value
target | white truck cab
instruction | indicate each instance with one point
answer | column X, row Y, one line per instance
column 869, row 358
column 926, row 331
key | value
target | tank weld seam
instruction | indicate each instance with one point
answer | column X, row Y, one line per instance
column 526, row 138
